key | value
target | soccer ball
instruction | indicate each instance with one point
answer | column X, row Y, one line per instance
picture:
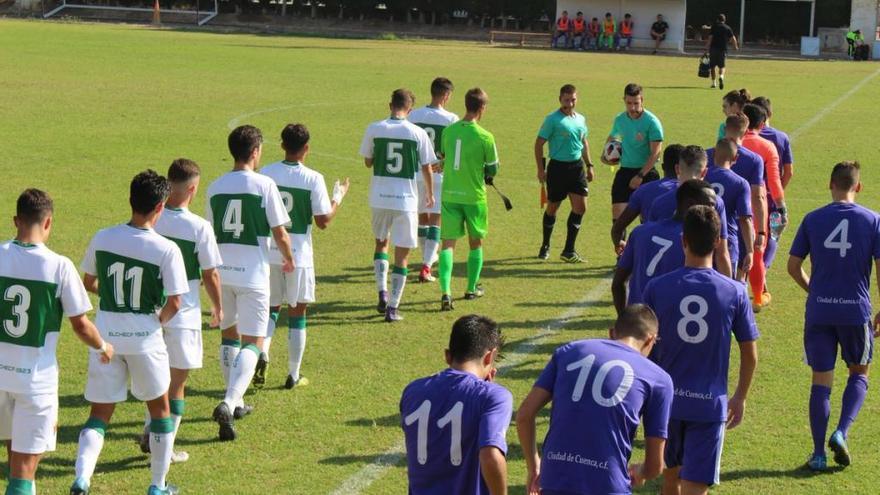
column 612, row 152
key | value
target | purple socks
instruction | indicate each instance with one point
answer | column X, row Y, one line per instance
column 853, row 397
column 770, row 251
column 820, row 410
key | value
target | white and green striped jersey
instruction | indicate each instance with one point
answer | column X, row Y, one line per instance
column 304, row 194
column 244, row 207
column 39, row 289
column 195, row 238
column 399, row 149
column 136, row 270
column 433, row 120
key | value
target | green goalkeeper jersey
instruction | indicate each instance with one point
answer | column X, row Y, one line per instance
column 469, row 156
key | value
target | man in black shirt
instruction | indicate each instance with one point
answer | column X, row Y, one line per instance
column 658, row 31
column 716, row 45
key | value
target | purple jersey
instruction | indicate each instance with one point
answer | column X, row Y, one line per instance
column 737, row 197
column 447, row 418
column 698, row 310
column 641, row 199
column 664, row 207
column 748, row 165
column 782, row 143
column 653, row 248
column 842, row 240
column 600, row 389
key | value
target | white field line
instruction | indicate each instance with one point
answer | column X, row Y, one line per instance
column 236, row 121
column 364, row 477
column 371, row 472
column 831, row 106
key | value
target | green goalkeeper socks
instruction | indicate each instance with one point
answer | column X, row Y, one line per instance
column 474, row 267
column 445, row 271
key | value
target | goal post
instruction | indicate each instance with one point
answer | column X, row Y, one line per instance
column 199, row 15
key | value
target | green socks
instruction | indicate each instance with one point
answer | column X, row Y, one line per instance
column 445, row 271
column 474, row 267
column 19, row 487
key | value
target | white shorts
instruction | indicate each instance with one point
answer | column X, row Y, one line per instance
column 150, row 376
column 402, row 225
column 438, row 184
column 293, row 288
column 247, row 308
column 184, row 348
column 30, row 421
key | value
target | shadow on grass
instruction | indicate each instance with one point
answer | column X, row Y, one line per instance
column 383, row 459
column 389, row 420
column 797, row 472
column 56, row 467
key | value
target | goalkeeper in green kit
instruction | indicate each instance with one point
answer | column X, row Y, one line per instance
column 470, row 162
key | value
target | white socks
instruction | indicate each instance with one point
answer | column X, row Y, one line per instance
column 91, row 441
column 297, row 344
column 398, row 282
column 229, row 350
column 429, row 253
column 240, row 375
column 161, row 448
column 380, row 267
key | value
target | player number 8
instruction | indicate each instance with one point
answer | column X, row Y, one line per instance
column 689, row 317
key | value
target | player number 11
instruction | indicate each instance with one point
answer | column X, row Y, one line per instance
column 453, row 417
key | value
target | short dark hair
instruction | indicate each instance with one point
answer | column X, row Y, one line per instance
column 722, row 18
column 607, row 14
column 756, row 115
column 33, row 206
column 567, row 89
column 692, row 157
column 738, row 97
column 627, row 16
column 183, row 170
column 402, row 98
column 148, row 189
column 472, row 336
column 764, row 102
column 702, row 229
column 693, row 192
column 595, row 18
column 671, row 155
column 637, row 321
column 243, row 140
column 580, row 13
column 725, row 149
column 475, row 99
column 440, row 86
column 738, row 122
column 632, row 89
column 294, row 137
column 846, row 175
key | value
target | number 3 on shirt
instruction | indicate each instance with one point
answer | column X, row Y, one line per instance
column 422, row 414
column 20, row 298
column 842, row 233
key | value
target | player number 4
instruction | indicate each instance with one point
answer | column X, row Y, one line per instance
column 453, row 417
column 20, row 298
column 842, row 233
column 585, row 365
column 232, row 218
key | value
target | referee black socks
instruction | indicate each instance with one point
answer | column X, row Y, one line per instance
column 574, row 226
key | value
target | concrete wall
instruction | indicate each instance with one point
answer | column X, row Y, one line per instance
column 864, row 17
column 644, row 14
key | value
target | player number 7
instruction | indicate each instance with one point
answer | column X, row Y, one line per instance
column 664, row 246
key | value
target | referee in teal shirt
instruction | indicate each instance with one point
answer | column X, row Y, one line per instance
column 565, row 175
column 641, row 138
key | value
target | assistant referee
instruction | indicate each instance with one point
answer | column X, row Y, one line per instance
column 565, row 175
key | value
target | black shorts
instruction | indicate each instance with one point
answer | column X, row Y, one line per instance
column 620, row 191
column 564, row 178
column 717, row 58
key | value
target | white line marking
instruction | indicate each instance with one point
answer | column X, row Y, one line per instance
column 236, row 121
column 831, row 106
column 390, row 458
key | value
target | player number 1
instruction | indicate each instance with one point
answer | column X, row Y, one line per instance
column 453, row 417
column 585, row 365
column 456, row 164
column 843, row 245
column 20, row 297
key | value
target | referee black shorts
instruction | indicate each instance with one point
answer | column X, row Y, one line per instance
column 620, row 191
column 717, row 58
column 564, row 178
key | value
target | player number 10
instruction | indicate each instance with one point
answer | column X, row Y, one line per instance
column 585, row 365
column 453, row 417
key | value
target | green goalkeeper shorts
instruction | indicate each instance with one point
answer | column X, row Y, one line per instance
column 456, row 217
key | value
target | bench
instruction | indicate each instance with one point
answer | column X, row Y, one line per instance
column 522, row 36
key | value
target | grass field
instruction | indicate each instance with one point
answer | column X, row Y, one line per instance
column 85, row 107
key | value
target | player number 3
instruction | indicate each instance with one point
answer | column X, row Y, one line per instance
column 20, row 298
column 453, row 417
column 697, row 318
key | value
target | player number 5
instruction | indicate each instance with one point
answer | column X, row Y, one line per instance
column 20, row 298
column 453, row 417
column 841, row 232
column 395, row 158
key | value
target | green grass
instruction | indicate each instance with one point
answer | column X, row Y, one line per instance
column 84, row 107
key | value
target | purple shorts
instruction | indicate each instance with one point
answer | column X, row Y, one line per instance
column 821, row 341
column 695, row 446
